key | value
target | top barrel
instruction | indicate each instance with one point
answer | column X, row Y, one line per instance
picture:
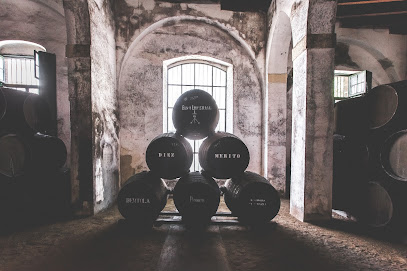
column 351, row 117
column 387, row 106
column 195, row 114
column 223, row 155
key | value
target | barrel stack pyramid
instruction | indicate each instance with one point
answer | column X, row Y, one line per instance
column 196, row 195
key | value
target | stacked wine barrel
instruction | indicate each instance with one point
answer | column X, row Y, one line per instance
column 196, row 194
column 34, row 186
column 370, row 156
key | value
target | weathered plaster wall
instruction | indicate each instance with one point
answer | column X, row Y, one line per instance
column 104, row 104
column 384, row 54
column 150, row 32
column 42, row 22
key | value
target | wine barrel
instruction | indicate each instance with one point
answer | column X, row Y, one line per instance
column 350, row 168
column 142, row 198
column 169, row 156
column 21, row 154
column 223, row 155
column 376, row 206
column 23, row 112
column 196, row 197
column 351, row 117
column 34, row 198
column 252, row 198
column 195, row 114
column 387, row 107
column 384, row 203
column 394, row 156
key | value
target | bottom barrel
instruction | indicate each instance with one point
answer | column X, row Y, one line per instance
column 350, row 170
column 252, row 198
column 34, row 198
column 142, row 198
column 376, row 206
column 384, row 203
column 197, row 198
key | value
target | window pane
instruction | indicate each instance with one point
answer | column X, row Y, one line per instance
column 222, row 121
column 173, row 93
column 19, row 70
column 174, row 75
column 203, row 75
column 219, row 94
column 188, row 74
column 196, row 160
column 207, row 89
column 171, row 127
column 34, row 90
column 186, row 88
column 191, row 142
column 198, row 144
column 219, row 77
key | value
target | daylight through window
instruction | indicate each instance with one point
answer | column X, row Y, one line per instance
column 182, row 77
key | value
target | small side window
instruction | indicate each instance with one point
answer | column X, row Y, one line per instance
column 351, row 84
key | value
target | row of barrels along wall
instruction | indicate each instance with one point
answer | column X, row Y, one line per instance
column 370, row 156
column 34, row 186
column 196, row 194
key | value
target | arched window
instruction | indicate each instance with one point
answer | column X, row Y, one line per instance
column 198, row 72
column 17, row 68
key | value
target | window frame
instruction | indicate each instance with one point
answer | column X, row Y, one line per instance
column 226, row 67
column 17, row 86
column 349, row 75
column 167, row 64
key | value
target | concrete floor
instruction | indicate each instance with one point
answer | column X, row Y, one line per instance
column 101, row 243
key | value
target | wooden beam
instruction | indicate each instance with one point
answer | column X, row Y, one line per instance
column 372, row 14
column 368, row 2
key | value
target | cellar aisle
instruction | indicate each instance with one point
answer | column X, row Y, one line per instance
column 100, row 243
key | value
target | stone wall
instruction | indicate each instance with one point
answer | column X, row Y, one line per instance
column 149, row 32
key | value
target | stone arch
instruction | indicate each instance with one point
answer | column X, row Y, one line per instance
column 383, row 67
column 178, row 19
column 278, row 52
column 144, row 61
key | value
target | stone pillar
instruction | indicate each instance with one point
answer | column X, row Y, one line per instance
column 92, row 94
column 312, row 111
column 79, row 78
